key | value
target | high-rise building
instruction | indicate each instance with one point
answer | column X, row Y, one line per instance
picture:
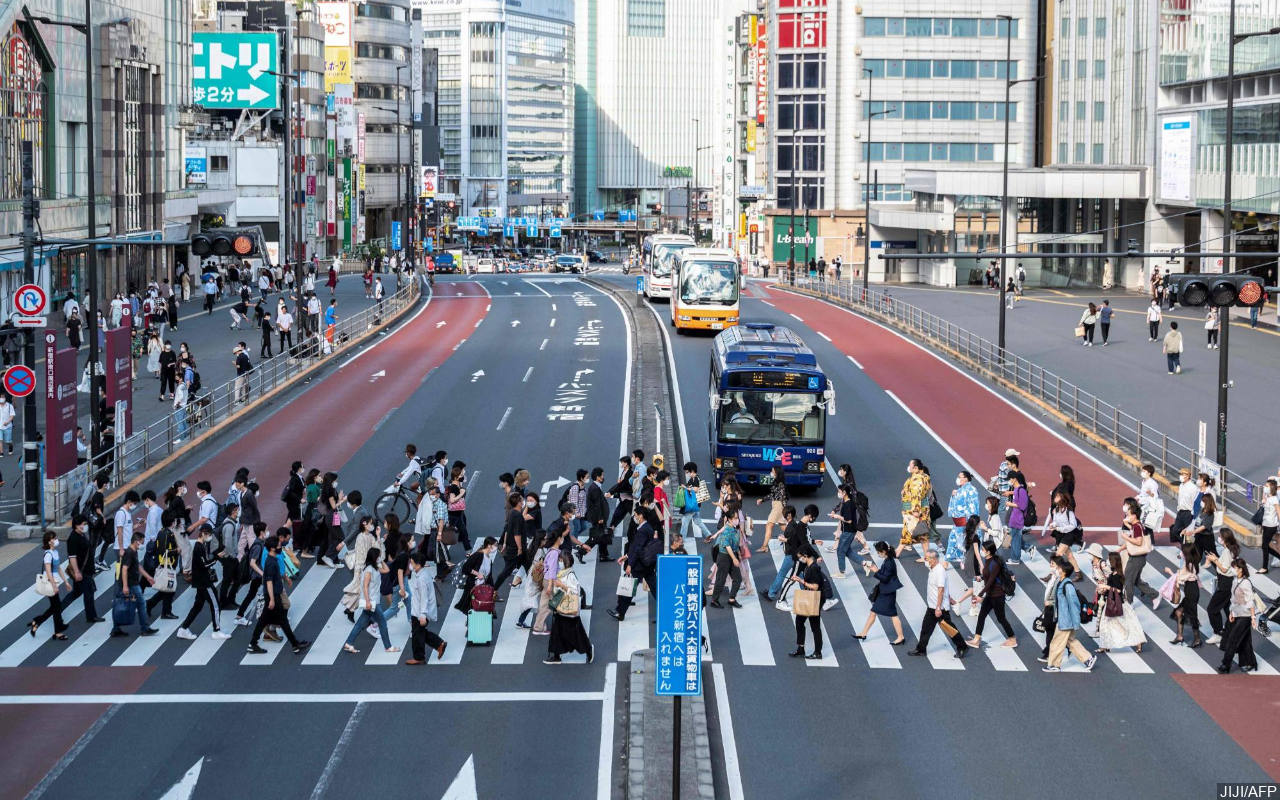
column 655, row 115
column 380, row 70
column 506, row 104
column 141, row 69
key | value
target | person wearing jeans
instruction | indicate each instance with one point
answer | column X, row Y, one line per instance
column 274, row 611
column 369, row 614
column 1017, row 515
column 794, row 534
column 728, row 542
column 846, row 517
column 691, row 513
column 1172, row 347
column 422, row 609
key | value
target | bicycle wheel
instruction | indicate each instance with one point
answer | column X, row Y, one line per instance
column 393, row 503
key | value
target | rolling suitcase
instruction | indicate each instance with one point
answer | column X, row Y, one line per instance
column 479, row 628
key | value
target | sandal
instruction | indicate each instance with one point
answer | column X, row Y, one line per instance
column 349, row 648
column 62, row 637
column 32, row 627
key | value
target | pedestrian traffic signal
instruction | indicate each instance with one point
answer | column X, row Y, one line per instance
column 239, row 242
column 1217, row 290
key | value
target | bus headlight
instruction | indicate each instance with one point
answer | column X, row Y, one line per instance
column 684, row 318
column 813, row 466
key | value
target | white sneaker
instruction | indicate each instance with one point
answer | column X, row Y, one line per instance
column 1214, row 639
column 221, row 635
column 1088, row 665
column 1178, row 369
column 241, row 621
column 830, row 604
column 183, row 633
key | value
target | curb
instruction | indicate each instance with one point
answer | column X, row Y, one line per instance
column 257, row 403
column 1245, row 534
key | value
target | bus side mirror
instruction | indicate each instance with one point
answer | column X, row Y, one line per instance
column 830, row 397
column 715, row 401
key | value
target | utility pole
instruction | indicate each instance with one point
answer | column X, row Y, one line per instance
column 30, row 447
column 1004, row 192
column 795, row 132
column 688, row 187
column 96, row 389
column 869, row 190
column 287, row 207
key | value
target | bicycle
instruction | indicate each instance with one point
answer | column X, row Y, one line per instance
column 398, row 500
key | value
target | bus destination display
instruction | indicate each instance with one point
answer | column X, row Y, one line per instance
column 771, row 379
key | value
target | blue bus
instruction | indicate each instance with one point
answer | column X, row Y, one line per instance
column 769, row 404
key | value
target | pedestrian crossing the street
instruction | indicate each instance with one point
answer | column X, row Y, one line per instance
column 755, row 635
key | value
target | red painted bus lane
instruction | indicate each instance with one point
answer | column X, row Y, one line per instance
column 978, row 424
column 327, row 424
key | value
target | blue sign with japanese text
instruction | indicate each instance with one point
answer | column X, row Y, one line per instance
column 395, row 234
column 679, row 636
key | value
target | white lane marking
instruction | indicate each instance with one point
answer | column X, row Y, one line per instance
column 487, row 307
column 79, row 650
column 633, row 631
column 820, row 333
column 829, row 647
column 512, row 642
column 18, row 606
column 301, row 599
column 553, row 322
column 527, row 373
column 304, row 698
column 502, row 422
column 732, row 769
column 748, row 621
column 477, row 325
column 339, row 749
column 675, row 385
column 797, row 319
column 854, row 361
column 932, row 433
column 539, row 288
column 453, row 630
column 626, row 379
column 553, row 306
column 543, row 346
column 604, row 768
column 767, row 303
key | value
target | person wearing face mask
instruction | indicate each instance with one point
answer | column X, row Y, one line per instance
column 1241, row 622
column 81, row 568
column 168, row 361
column 511, row 544
column 1136, row 543
column 1187, row 495
column 1268, row 518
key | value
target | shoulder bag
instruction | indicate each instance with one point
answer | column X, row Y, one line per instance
column 627, row 585
column 166, row 579
column 44, row 586
column 807, row 602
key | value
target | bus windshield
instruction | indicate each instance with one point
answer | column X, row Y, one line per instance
column 750, row 417
column 709, row 282
column 662, row 254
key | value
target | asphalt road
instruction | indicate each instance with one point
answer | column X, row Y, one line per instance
column 866, row 720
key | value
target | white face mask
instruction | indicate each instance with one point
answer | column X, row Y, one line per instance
column 959, row 481
column 531, row 503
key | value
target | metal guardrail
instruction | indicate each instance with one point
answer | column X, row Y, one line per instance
column 1113, row 426
column 213, row 407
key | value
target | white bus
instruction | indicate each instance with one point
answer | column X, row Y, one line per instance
column 658, row 251
column 705, row 287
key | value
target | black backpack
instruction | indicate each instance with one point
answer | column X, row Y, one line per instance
column 195, row 382
column 1030, row 517
column 564, row 498
column 863, row 519
column 1008, row 581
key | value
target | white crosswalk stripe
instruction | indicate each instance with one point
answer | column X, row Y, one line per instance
column 759, row 632
column 26, row 646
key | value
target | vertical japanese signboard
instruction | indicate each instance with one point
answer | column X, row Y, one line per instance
column 59, row 407
column 679, row 636
column 120, row 376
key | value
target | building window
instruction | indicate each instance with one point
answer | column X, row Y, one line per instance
column 964, row 110
column 1065, row 69
column 1100, row 27
column 964, row 69
column 1099, row 69
column 1066, row 27
column 964, row 27
column 217, row 163
column 647, row 18
column 1079, row 159
column 1082, row 27
column 986, row 152
column 963, row 152
column 873, row 26
column 1064, row 110
column 1082, row 69
column 914, row 109
column 915, row 151
column 1080, row 111
column 381, row 11
column 919, row 26
column 131, row 174
column 1097, row 154
column 1062, row 152
column 1099, row 111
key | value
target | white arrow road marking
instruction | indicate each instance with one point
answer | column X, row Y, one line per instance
column 577, row 376
column 382, row 373
column 543, row 346
column 527, row 373
column 515, row 322
column 441, row 323
column 184, row 788
column 477, row 375
column 556, row 484
column 464, row 783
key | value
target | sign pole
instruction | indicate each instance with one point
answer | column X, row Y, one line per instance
column 675, row 749
column 30, row 448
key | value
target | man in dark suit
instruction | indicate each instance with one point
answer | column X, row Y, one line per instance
column 598, row 514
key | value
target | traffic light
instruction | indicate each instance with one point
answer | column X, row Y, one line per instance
column 238, row 242
column 1218, row 290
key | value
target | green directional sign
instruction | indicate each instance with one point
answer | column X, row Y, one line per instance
column 235, row 70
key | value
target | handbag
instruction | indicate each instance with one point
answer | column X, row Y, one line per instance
column 1038, row 624
column 44, row 586
column 874, row 594
column 566, row 604
column 350, row 559
column 807, row 602
column 947, row 628
column 703, row 493
column 1256, row 519
column 1113, row 606
column 284, row 600
column 166, row 579
column 449, row 536
column 1079, row 331
column 627, row 585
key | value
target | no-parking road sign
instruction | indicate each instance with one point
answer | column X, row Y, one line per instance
column 30, row 300
column 19, row 380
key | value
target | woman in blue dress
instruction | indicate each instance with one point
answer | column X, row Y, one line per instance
column 884, row 594
column 963, row 504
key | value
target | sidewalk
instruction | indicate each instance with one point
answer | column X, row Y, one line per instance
column 1130, row 372
column 209, row 338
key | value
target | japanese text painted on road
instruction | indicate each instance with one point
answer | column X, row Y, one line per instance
column 679, row 656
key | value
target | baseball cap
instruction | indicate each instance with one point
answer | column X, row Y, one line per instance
column 1011, row 452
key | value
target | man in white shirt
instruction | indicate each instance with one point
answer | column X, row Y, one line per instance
column 6, row 425
column 938, row 608
column 123, row 524
column 1187, row 494
column 411, row 476
column 1154, row 315
column 154, row 513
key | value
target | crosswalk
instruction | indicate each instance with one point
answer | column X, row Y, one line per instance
column 754, row 635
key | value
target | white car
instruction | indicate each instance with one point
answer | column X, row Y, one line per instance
column 486, row 265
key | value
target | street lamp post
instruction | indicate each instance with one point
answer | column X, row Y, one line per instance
column 1228, row 243
column 405, row 168
column 873, row 185
column 1009, row 83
